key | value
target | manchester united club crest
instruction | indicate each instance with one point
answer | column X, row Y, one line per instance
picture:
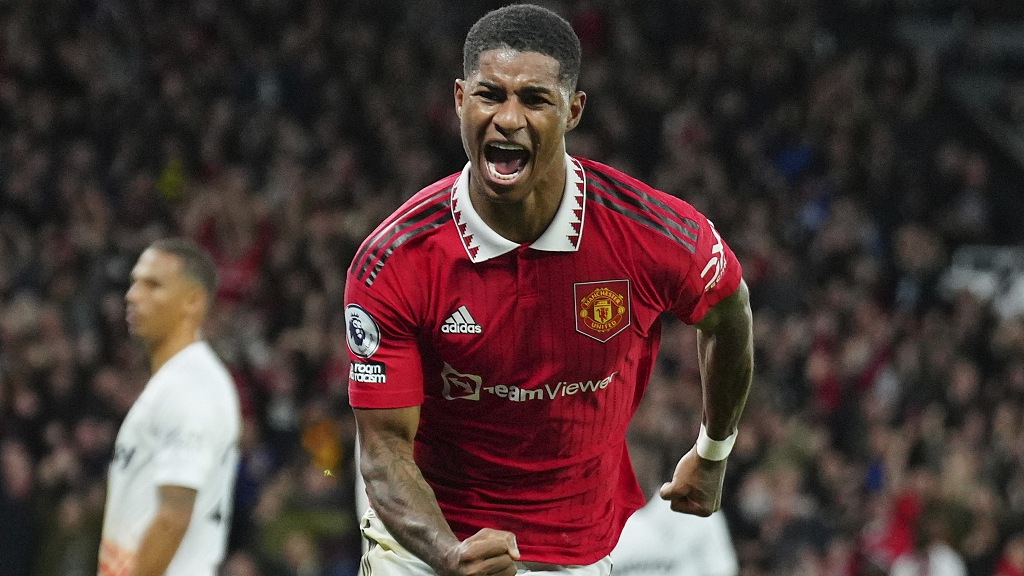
column 602, row 308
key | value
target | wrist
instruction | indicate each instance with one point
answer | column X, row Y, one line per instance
column 450, row 558
column 714, row 450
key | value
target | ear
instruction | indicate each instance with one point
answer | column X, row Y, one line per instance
column 460, row 93
column 576, row 103
column 196, row 302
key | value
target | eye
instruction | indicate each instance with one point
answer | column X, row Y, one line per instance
column 535, row 100
column 490, row 95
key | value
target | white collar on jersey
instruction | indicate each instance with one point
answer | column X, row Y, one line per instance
column 562, row 235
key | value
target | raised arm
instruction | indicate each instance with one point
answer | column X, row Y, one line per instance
column 406, row 504
column 725, row 350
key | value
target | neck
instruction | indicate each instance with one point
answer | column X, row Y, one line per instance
column 525, row 220
column 162, row 351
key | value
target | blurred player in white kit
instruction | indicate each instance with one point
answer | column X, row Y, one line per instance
column 659, row 542
column 172, row 477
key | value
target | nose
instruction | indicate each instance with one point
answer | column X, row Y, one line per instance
column 509, row 117
column 130, row 295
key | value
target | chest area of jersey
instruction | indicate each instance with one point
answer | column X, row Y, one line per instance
column 534, row 318
column 135, row 444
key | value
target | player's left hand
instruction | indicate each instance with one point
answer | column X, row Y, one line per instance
column 696, row 486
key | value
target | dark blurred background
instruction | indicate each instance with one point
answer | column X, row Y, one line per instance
column 862, row 157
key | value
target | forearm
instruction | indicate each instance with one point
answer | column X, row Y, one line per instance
column 726, row 355
column 405, row 503
column 159, row 544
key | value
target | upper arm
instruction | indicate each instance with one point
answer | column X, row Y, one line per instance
column 383, row 344
column 731, row 312
column 385, row 433
column 176, row 504
column 704, row 276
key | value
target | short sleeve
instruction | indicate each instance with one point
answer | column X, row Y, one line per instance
column 188, row 439
column 713, row 275
column 385, row 369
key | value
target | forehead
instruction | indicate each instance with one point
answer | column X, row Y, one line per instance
column 154, row 263
column 511, row 67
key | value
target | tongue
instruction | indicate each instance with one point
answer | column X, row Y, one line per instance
column 507, row 161
column 506, row 167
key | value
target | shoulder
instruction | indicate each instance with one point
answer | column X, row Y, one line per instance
column 196, row 380
column 637, row 205
column 420, row 216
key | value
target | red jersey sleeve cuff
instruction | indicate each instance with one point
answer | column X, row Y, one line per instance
column 726, row 286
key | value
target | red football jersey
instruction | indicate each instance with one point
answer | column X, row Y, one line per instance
column 528, row 361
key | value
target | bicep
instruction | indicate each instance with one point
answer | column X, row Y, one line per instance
column 177, row 497
column 386, row 433
column 731, row 312
column 703, row 277
column 176, row 503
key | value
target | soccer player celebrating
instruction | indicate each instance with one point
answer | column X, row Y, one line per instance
column 172, row 477
column 503, row 324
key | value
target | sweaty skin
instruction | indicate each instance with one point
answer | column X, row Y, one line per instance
column 725, row 351
column 404, row 501
column 516, row 99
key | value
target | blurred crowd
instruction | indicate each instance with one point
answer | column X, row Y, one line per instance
column 886, row 425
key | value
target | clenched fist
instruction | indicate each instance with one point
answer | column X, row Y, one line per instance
column 489, row 552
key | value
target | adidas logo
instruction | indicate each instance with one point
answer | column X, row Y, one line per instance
column 461, row 322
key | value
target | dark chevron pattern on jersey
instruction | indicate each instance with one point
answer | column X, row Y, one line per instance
column 446, row 216
column 639, row 206
column 427, row 215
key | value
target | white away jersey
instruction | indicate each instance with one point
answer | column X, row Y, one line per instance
column 659, row 542
column 182, row 431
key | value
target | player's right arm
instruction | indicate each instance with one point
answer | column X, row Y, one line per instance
column 385, row 306
column 166, row 531
column 406, row 504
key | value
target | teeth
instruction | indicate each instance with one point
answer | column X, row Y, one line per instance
column 499, row 176
column 507, row 145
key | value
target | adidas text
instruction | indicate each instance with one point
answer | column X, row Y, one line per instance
column 461, row 329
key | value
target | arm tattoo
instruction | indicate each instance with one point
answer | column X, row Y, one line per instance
column 404, row 501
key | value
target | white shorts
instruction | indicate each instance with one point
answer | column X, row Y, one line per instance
column 386, row 557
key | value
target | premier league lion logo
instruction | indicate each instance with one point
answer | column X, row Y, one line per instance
column 363, row 335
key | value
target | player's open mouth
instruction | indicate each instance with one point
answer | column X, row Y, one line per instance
column 505, row 161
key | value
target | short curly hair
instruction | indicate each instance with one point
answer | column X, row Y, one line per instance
column 525, row 28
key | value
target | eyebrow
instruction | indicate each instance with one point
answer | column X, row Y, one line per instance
column 530, row 89
column 536, row 90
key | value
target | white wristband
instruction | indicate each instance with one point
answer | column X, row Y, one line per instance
column 715, row 450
